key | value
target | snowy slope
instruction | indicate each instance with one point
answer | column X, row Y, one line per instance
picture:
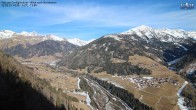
column 180, row 98
column 24, row 33
column 79, row 42
column 113, row 36
column 4, row 34
column 192, row 34
column 53, row 37
column 175, row 61
column 165, row 35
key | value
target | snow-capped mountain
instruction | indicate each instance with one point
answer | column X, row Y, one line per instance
column 165, row 35
column 79, row 42
column 4, row 34
column 24, row 33
column 162, row 45
column 52, row 37
column 192, row 34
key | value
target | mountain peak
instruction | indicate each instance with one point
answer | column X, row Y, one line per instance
column 53, row 37
column 7, row 31
column 79, row 42
column 142, row 27
column 138, row 30
column 165, row 34
column 6, row 34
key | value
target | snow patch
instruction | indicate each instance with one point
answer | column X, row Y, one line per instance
column 78, row 83
column 88, row 100
column 106, row 49
column 148, row 78
column 191, row 70
column 79, row 42
column 184, row 47
column 52, row 37
column 180, row 98
column 117, row 85
column 175, row 61
column 105, row 79
column 146, row 47
column 113, row 36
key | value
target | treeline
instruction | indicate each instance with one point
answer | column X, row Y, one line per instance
column 119, row 68
column 123, row 94
column 85, row 87
column 17, row 94
column 126, row 69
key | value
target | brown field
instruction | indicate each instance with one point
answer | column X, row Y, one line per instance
column 68, row 84
column 81, row 99
column 59, row 80
column 162, row 98
column 56, row 79
column 38, row 60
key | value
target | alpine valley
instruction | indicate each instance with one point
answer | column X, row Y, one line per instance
column 143, row 68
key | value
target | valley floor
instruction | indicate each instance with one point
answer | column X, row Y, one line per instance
column 158, row 90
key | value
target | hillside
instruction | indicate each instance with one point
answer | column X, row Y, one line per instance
column 44, row 48
column 21, row 89
column 112, row 50
column 139, row 61
column 25, row 41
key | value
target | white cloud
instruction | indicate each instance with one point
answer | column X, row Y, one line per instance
column 111, row 15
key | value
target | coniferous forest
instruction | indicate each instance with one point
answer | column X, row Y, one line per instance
column 123, row 94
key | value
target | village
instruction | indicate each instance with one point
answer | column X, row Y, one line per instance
column 144, row 82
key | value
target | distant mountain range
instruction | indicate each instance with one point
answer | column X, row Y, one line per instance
column 6, row 34
column 29, row 44
column 162, row 45
column 112, row 53
column 44, row 48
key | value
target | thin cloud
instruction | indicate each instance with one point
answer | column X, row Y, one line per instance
column 91, row 15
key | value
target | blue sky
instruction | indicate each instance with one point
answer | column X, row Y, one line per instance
column 88, row 19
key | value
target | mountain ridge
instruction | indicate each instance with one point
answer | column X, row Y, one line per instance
column 99, row 54
column 152, row 32
column 44, row 48
column 8, row 34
